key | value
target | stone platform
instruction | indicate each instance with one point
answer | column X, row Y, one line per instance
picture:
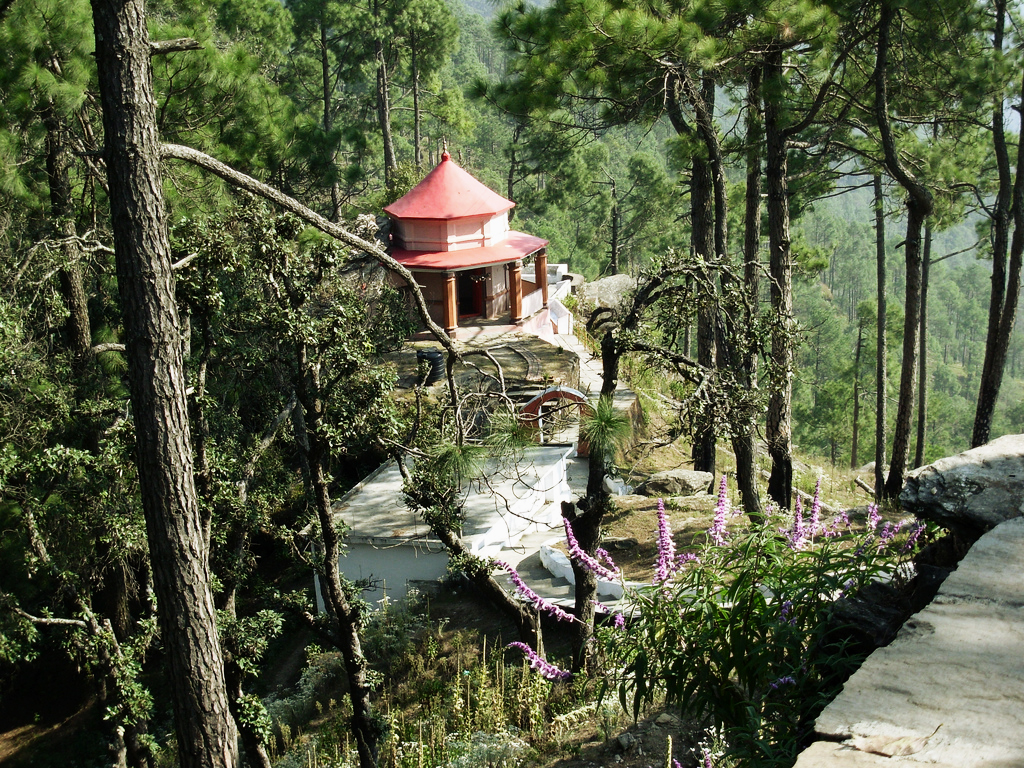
column 949, row 690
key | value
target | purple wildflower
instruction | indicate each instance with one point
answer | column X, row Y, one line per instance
column 707, row 758
column 889, row 532
column 546, row 668
column 885, row 535
column 786, row 613
column 873, row 516
column 676, row 763
column 864, row 546
column 666, row 565
column 796, row 535
column 816, row 510
column 847, row 585
column 840, row 520
column 532, row 597
column 620, row 621
column 717, row 530
column 686, row 557
column 915, row 534
column 784, row 680
column 588, row 562
column 602, row 554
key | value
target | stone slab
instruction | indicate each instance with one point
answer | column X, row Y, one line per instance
column 956, row 666
column 829, row 754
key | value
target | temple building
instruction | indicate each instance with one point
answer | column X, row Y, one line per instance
column 452, row 233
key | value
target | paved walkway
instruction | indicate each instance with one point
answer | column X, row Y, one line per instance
column 949, row 690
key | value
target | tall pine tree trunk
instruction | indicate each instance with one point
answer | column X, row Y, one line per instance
column 703, row 243
column 744, row 442
column 344, row 615
column 778, row 431
column 1005, row 293
column 328, row 116
column 416, row 118
column 881, row 349
column 384, row 105
column 177, row 532
column 922, row 353
column 856, row 397
column 919, row 207
column 77, row 330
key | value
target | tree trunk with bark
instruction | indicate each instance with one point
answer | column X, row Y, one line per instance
column 881, row 350
column 856, row 398
column 328, row 116
column 416, row 117
column 1005, row 294
column 778, row 433
column 703, row 244
column 919, row 207
column 922, row 353
column 177, row 532
column 344, row 616
column 383, row 91
column 744, row 442
column 77, row 329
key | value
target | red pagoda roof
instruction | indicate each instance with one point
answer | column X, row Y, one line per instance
column 448, row 192
column 516, row 245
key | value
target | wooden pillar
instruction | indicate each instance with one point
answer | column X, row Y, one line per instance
column 451, row 303
column 515, row 289
column 540, row 264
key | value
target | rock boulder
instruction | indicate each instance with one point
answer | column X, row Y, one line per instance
column 608, row 291
column 972, row 492
column 676, row 482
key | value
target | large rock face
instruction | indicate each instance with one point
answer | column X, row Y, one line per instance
column 608, row 291
column 676, row 482
column 972, row 492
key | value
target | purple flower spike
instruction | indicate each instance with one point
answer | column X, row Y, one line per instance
column 666, row 565
column 577, row 553
column 707, row 758
column 816, row 510
column 873, row 516
column 796, row 536
column 676, row 763
column 786, row 613
column 532, row 597
column 864, row 546
column 602, row 554
column 717, row 530
column 620, row 621
column 545, row 668
column 784, row 680
column 915, row 534
column 847, row 586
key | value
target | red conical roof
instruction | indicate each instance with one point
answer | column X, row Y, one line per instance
column 448, row 192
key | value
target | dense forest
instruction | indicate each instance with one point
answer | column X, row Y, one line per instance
column 822, row 202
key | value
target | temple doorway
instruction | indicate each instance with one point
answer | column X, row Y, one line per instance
column 471, row 293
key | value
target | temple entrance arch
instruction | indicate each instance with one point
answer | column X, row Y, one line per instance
column 540, row 410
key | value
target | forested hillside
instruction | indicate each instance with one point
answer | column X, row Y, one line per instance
column 822, row 202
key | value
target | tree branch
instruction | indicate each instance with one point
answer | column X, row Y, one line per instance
column 248, row 183
column 99, row 349
column 163, row 47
